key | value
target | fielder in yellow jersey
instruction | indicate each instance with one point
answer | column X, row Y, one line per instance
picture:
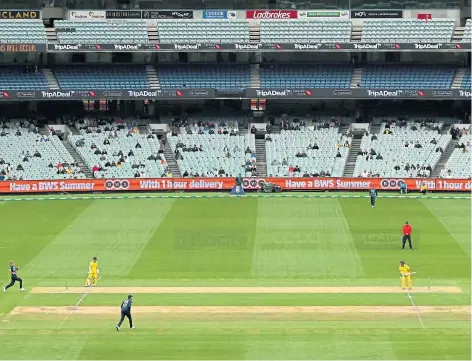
column 405, row 273
column 93, row 273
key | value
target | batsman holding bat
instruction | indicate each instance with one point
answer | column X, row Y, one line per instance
column 405, row 273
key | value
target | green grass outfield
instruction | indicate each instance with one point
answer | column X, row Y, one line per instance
column 304, row 241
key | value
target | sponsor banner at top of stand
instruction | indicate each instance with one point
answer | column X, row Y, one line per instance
column 215, row 184
column 367, row 46
column 219, row 14
column 271, row 14
column 323, row 14
column 123, row 14
column 355, row 93
column 87, row 15
column 107, row 94
column 376, row 14
column 22, row 48
column 299, row 93
column 248, row 47
column 20, row 14
column 167, row 14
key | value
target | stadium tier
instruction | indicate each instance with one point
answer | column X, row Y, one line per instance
column 458, row 165
column 22, row 32
column 214, row 150
column 407, row 31
column 206, row 31
column 239, row 31
column 235, row 77
column 322, row 31
column 307, row 152
column 401, row 151
column 309, row 75
column 26, row 154
column 16, row 78
column 407, row 77
column 119, row 151
column 467, row 31
column 96, row 32
column 466, row 82
column 204, row 76
column 102, row 77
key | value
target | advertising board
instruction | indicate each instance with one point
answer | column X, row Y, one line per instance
column 219, row 14
column 271, row 14
column 264, row 47
column 215, row 184
column 10, row 95
column 20, row 14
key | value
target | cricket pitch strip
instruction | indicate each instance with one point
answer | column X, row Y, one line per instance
column 241, row 290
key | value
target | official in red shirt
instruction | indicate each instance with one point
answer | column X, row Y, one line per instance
column 407, row 235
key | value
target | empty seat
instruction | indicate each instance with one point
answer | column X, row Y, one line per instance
column 407, row 77
column 407, row 31
column 102, row 77
column 205, row 76
column 16, row 78
column 305, row 76
column 293, row 31
column 204, row 31
column 22, row 32
column 101, row 31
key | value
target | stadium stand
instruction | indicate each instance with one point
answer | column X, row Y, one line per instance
column 102, row 77
column 16, row 78
column 407, row 77
column 96, row 32
column 118, row 150
column 26, row 154
column 321, row 31
column 404, row 150
column 466, row 82
column 305, row 75
column 458, row 165
column 204, row 76
column 308, row 152
column 407, row 31
column 22, row 32
column 204, row 31
column 467, row 32
column 209, row 152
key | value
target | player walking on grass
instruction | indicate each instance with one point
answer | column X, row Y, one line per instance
column 126, row 312
column 92, row 273
column 14, row 277
column 373, row 195
column 405, row 273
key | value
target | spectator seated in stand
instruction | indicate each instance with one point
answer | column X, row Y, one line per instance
column 401, row 151
column 307, row 150
column 116, row 149
column 458, row 165
column 213, row 149
column 26, row 154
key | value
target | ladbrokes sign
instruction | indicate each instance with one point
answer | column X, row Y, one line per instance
column 272, row 14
